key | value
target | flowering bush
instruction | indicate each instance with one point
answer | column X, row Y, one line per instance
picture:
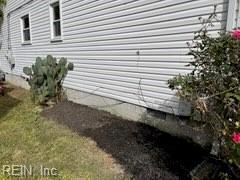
column 236, row 34
column 236, row 138
column 213, row 88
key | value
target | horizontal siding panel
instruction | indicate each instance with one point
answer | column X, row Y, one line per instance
column 156, row 18
column 127, row 89
column 119, row 79
column 120, row 91
column 76, row 53
column 164, row 45
column 134, row 69
column 122, row 59
column 121, row 15
column 133, row 26
column 168, row 31
column 147, row 64
column 156, row 76
column 102, row 8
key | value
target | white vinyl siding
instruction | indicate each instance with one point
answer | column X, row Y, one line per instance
column 125, row 50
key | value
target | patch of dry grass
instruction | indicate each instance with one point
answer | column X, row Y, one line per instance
column 28, row 139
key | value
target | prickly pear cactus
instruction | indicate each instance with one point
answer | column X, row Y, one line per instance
column 46, row 77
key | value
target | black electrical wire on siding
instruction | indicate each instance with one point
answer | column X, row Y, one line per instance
column 8, row 27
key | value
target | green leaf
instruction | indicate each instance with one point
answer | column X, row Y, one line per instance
column 63, row 62
column 27, row 71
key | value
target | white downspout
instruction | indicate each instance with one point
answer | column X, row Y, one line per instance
column 233, row 15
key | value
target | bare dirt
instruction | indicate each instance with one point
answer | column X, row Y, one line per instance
column 143, row 151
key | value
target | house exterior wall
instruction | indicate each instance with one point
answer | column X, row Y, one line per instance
column 123, row 50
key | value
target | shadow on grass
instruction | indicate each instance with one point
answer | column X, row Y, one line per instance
column 7, row 102
column 143, row 151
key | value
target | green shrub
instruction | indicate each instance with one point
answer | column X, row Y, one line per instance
column 46, row 77
column 213, row 88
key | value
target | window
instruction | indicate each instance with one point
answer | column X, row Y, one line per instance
column 56, row 24
column 26, row 33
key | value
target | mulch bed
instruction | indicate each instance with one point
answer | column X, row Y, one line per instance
column 143, row 151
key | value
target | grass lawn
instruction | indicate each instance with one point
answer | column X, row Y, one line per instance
column 28, row 139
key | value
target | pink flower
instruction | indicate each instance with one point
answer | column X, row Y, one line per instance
column 236, row 138
column 236, row 34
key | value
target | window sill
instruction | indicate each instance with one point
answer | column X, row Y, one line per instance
column 27, row 43
column 56, row 40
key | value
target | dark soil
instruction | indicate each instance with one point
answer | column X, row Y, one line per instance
column 143, row 151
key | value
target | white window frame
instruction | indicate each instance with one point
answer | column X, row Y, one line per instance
column 22, row 29
column 55, row 38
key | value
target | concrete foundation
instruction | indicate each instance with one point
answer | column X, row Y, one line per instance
column 17, row 81
column 165, row 122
